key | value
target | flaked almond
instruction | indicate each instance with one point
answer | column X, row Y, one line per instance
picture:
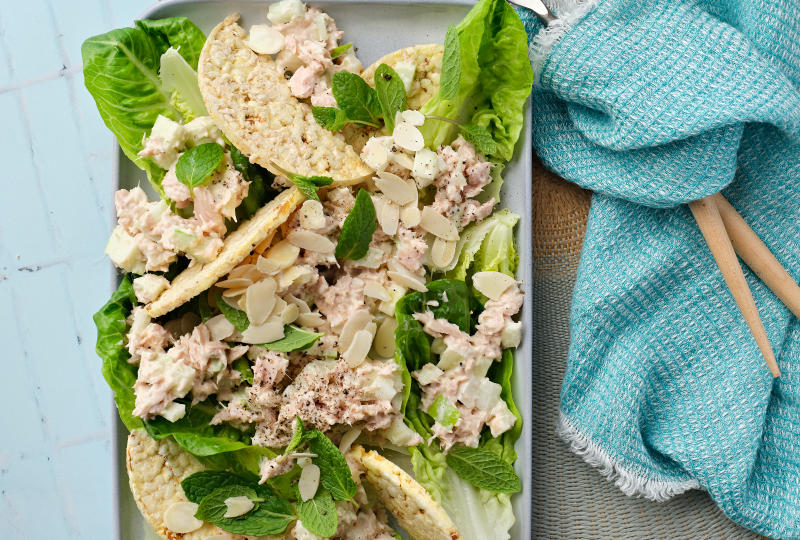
column 443, row 252
column 274, row 319
column 415, row 118
column 348, row 439
column 375, row 156
column 301, row 304
column 311, row 215
column 389, row 217
column 233, row 302
column 284, row 253
column 253, row 274
column 235, row 283
column 219, row 327
column 179, row 518
column 384, row 340
column 311, row 241
column 267, row 266
column 404, row 160
column 237, row 506
column 312, row 320
column 373, row 289
column 357, row 321
column 262, row 333
column 410, row 215
column 408, row 137
column 264, row 39
column 290, row 314
column 241, row 301
column 297, row 274
column 395, row 188
column 280, row 305
column 303, row 462
column 426, row 167
column 309, row 482
column 407, row 281
column 264, row 245
column 240, row 271
column 260, row 299
column 492, row 284
column 438, row 225
column 359, row 348
column 230, row 293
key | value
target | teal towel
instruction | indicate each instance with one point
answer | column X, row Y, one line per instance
column 651, row 104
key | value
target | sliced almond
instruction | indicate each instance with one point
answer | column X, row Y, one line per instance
column 438, row 225
column 492, row 284
column 274, row 319
column 235, row 283
column 348, row 439
column 395, row 188
column 301, row 304
column 410, row 215
column 267, row 266
column 375, row 156
column 389, row 218
column 357, row 352
column 384, row 340
column 241, row 302
column 415, row 118
column 219, row 327
column 373, row 289
column 284, row 253
column 426, row 167
column 311, row 215
column 297, row 274
column 240, row 271
column 311, row 241
column 264, row 39
column 280, row 305
column 179, row 518
column 311, row 320
column 357, row 321
column 262, row 333
column 290, row 314
column 309, row 482
column 238, row 506
column 409, row 137
column 404, row 160
column 407, row 281
column 229, row 293
column 253, row 274
column 260, row 299
column 442, row 252
column 264, row 245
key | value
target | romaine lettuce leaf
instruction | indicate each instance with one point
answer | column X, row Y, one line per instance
column 489, row 245
column 111, row 332
column 180, row 80
column 121, row 71
column 496, row 79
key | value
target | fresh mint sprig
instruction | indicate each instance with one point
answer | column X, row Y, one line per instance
column 356, row 98
column 197, row 164
column 474, row 134
column 357, row 229
column 483, row 469
column 330, row 117
column 319, row 515
column 336, row 476
column 236, row 317
column 307, row 184
column 271, row 514
column 391, row 94
column 294, row 339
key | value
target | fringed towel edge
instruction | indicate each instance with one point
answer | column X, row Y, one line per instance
column 628, row 482
column 569, row 12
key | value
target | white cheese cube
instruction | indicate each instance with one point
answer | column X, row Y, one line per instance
column 511, row 335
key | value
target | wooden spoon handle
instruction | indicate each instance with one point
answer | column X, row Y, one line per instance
column 710, row 222
column 757, row 256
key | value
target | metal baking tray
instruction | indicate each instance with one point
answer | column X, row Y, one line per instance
column 376, row 28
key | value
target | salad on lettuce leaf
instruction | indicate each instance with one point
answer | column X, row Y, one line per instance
column 378, row 312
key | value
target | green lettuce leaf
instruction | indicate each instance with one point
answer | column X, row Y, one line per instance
column 488, row 245
column 111, row 332
column 180, row 80
column 121, row 72
column 496, row 79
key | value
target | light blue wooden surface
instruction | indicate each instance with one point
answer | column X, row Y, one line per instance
column 55, row 452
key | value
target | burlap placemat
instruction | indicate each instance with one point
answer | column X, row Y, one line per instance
column 570, row 498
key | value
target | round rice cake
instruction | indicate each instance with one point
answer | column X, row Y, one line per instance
column 251, row 102
column 155, row 471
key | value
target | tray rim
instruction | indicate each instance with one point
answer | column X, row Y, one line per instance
column 522, row 157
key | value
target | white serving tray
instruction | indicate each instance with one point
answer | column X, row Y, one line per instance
column 376, row 28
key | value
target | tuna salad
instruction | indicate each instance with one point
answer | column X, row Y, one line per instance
column 273, row 324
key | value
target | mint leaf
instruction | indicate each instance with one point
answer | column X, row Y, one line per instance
column 340, row 50
column 307, row 184
column 318, row 515
column 336, row 475
column 483, row 469
column 270, row 515
column 330, row 117
column 356, row 98
column 197, row 164
column 391, row 94
column 451, row 65
column 285, row 485
column 297, row 437
column 237, row 318
column 480, row 138
column 242, row 365
column 357, row 229
column 203, row 483
column 294, row 339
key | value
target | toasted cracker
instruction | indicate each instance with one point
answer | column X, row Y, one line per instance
column 411, row 504
column 428, row 59
column 251, row 102
column 155, row 472
column 238, row 245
